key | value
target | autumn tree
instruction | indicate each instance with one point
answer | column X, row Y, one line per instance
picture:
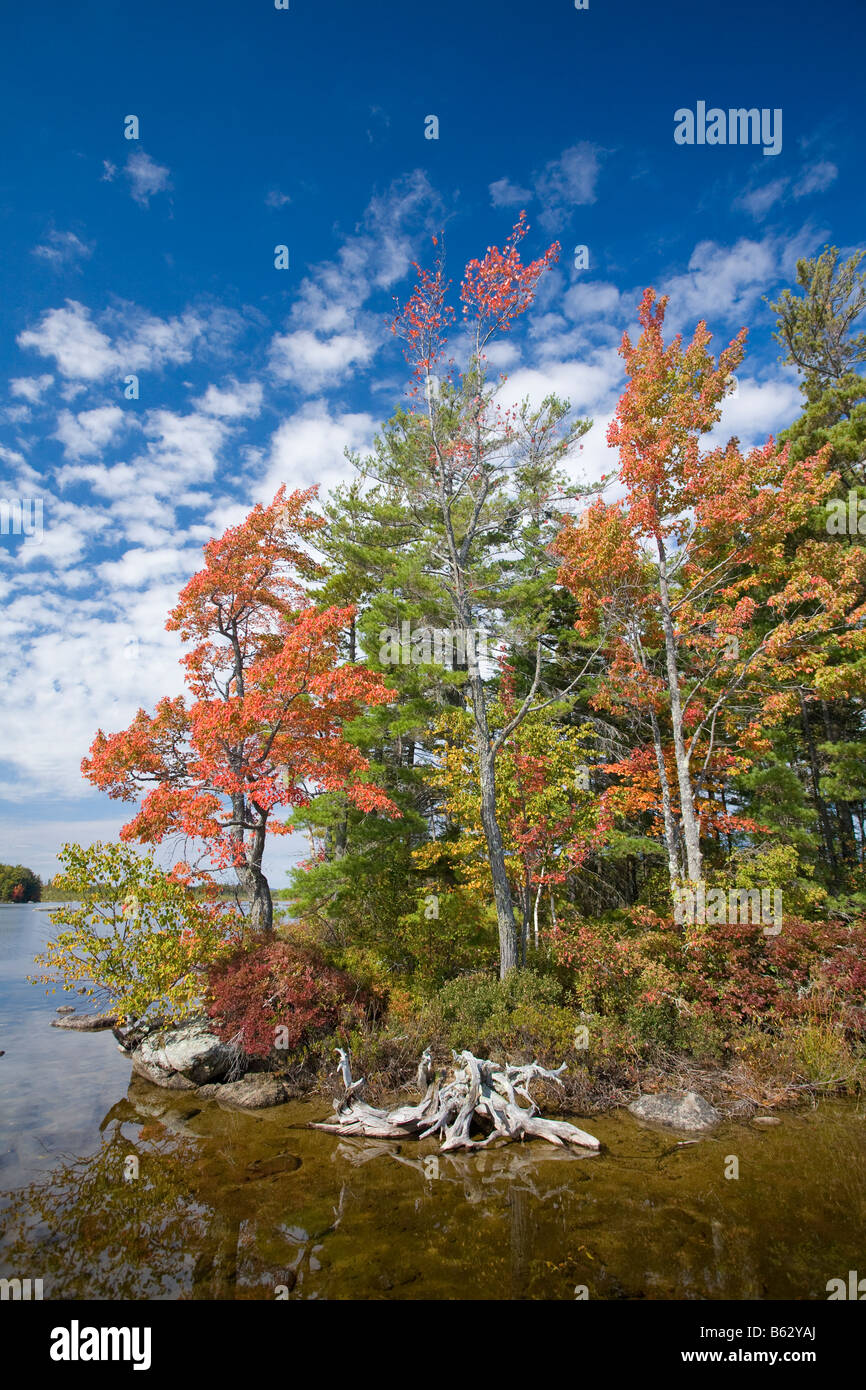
column 820, row 328
column 707, row 603
column 548, row 814
column 268, row 698
column 478, row 487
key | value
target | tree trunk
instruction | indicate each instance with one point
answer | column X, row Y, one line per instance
column 688, row 817
column 508, row 956
column 249, row 870
column 667, row 812
column 816, row 793
column 508, row 953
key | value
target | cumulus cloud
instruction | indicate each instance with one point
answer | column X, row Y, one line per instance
column 84, row 351
column 140, row 565
column 232, row 401
column 32, row 388
column 722, row 282
column 757, row 410
column 330, row 333
column 314, row 363
column 310, row 448
column 146, row 177
column 90, row 431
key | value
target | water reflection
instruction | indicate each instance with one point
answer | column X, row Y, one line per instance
column 231, row 1204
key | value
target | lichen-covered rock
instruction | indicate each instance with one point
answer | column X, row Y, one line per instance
column 182, row 1058
column 677, row 1109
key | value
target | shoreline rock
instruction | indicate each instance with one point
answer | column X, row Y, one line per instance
column 256, row 1091
column 85, row 1023
column 677, row 1109
column 183, row 1058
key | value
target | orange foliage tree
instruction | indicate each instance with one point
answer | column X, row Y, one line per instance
column 268, row 698
column 712, row 606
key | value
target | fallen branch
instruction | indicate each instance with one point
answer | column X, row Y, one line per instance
column 480, row 1096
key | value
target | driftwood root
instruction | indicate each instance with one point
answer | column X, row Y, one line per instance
column 478, row 1096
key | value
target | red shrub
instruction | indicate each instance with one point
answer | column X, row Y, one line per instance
column 282, row 987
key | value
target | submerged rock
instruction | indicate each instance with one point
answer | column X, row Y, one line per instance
column 65, row 1009
column 182, row 1058
column 273, row 1167
column 678, row 1109
column 85, row 1023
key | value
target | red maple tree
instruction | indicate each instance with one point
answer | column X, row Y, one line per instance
column 711, row 606
column 268, row 699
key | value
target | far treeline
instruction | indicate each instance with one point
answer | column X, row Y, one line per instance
column 612, row 732
column 19, row 885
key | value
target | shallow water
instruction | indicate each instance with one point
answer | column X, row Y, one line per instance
column 231, row 1204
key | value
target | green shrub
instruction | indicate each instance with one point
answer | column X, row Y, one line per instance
column 527, row 1012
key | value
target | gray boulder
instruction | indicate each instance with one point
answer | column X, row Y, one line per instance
column 85, row 1023
column 254, row 1092
column 182, row 1058
column 678, row 1109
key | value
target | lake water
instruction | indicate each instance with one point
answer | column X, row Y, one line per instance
column 231, row 1204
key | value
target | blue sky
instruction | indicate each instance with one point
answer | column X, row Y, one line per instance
column 306, row 127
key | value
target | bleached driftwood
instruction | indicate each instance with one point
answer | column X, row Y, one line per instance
column 480, row 1095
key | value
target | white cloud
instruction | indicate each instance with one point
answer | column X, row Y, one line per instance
column 757, row 410
column 505, row 194
column 567, row 181
column 330, row 334
column 12, row 456
column 313, row 363
column 62, row 249
column 232, row 401
column 32, row 388
column 90, row 431
column 816, row 178
column 276, row 199
column 562, row 184
column 758, row 201
column 85, row 352
column 722, row 282
column 584, row 384
column 310, row 446
column 592, row 299
column 139, row 566
column 78, row 346
column 146, row 177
